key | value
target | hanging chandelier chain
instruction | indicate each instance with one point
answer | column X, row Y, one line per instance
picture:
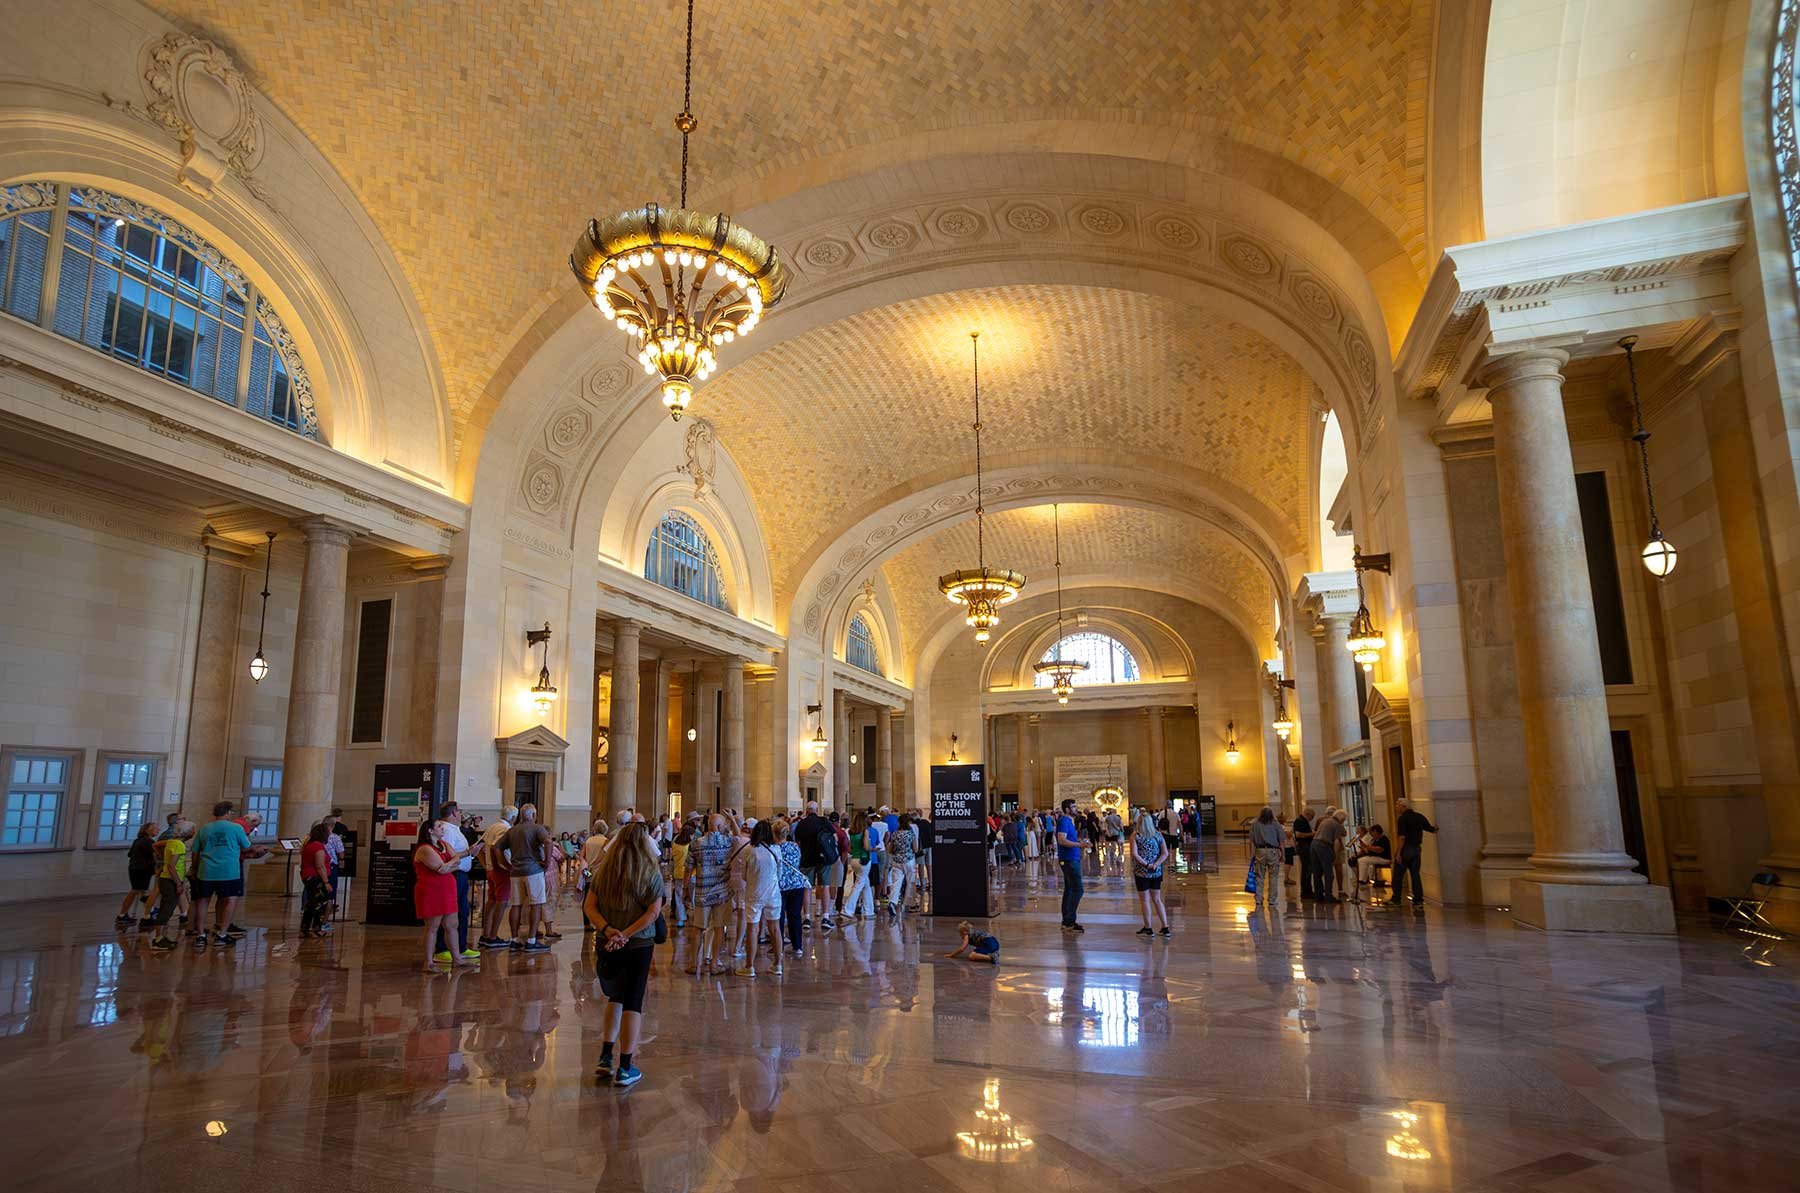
column 268, row 566
column 685, row 119
column 980, row 552
column 1639, row 434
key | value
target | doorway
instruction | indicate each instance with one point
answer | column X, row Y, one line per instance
column 1631, row 815
column 528, row 786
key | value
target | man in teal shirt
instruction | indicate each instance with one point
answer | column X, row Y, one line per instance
column 219, row 851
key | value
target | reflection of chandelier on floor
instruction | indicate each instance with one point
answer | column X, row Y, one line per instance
column 680, row 282
column 1062, row 671
column 981, row 589
column 996, row 1139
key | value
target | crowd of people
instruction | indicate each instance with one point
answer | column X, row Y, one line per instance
column 1329, row 853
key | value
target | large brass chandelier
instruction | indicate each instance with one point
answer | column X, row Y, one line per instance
column 981, row 589
column 680, row 283
column 1062, row 671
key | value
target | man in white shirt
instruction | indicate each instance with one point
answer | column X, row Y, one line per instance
column 499, row 882
column 456, row 842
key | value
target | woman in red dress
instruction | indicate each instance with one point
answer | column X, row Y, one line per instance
column 434, row 887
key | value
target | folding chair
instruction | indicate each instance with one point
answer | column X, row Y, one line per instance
column 1747, row 910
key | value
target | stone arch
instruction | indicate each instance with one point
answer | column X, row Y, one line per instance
column 876, row 608
column 1235, row 255
column 1114, row 623
column 374, row 398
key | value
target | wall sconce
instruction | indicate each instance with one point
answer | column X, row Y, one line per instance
column 543, row 693
column 818, row 740
column 259, row 662
column 1366, row 642
column 953, row 757
column 1658, row 554
column 1231, row 747
column 1283, row 725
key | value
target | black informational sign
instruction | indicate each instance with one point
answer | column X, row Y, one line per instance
column 1209, row 816
column 405, row 794
column 959, row 876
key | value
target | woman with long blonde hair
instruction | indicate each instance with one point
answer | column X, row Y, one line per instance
column 624, row 898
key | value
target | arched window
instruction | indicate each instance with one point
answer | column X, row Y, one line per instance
column 680, row 556
column 859, row 646
column 1106, row 657
column 126, row 279
column 1782, row 116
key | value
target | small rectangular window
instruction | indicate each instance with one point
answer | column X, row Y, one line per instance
column 37, row 792
column 126, row 798
column 368, row 708
column 262, row 797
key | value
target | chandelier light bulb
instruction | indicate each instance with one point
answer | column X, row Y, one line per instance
column 259, row 667
column 693, row 734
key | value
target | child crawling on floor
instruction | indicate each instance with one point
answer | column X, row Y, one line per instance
column 977, row 946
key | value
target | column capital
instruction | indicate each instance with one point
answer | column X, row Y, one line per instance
column 626, row 623
column 321, row 529
column 1525, row 364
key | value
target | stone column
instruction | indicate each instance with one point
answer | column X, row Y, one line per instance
column 308, row 761
column 1762, row 632
column 731, row 757
column 884, row 757
column 653, row 738
column 1022, row 756
column 1580, row 877
column 216, row 672
column 1342, row 717
column 622, row 718
column 1158, row 797
column 840, row 750
column 900, row 750
column 690, row 748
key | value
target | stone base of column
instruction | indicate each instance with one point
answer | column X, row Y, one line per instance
column 1687, row 883
column 1497, row 872
column 1581, row 907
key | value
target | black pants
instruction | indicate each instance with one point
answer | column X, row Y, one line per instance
column 1324, row 859
column 462, row 917
column 793, row 907
column 1071, row 897
column 1410, row 857
column 1309, row 883
column 313, row 902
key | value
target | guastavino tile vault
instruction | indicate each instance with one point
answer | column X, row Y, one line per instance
column 793, row 479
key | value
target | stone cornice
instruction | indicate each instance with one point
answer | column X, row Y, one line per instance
column 1587, row 283
column 623, row 595
column 871, row 689
column 1328, row 594
column 210, row 443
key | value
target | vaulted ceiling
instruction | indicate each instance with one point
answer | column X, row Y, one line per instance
column 480, row 137
column 1116, row 542
column 822, row 423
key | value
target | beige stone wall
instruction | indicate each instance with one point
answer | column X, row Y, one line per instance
column 98, row 658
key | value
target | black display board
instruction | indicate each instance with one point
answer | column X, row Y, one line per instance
column 405, row 793
column 959, row 875
column 1209, row 816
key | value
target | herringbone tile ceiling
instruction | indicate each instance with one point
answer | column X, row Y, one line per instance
column 480, row 136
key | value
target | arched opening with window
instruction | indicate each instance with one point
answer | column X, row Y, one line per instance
column 859, row 646
column 681, row 557
column 125, row 279
column 1108, row 660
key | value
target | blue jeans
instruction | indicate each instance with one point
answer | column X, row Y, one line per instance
column 1071, row 899
column 1410, row 857
column 462, row 916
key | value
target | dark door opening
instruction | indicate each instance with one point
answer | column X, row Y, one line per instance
column 1631, row 816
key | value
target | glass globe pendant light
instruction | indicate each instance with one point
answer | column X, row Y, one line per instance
column 259, row 662
column 1659, row 554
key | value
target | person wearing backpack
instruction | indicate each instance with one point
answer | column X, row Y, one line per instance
column 818, row 856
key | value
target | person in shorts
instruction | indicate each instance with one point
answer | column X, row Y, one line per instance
column 762, row 896
column 140, row 872
column 976, row 946
column 219, row 851
column 527, row 853
column 818, row 844
column 499, row 882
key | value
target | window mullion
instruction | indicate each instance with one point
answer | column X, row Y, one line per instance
column 53, row 255
column 245, row 347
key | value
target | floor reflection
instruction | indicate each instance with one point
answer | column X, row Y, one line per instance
column 1324, row 1047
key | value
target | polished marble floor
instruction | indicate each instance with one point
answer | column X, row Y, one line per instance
column 1313, row 1048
